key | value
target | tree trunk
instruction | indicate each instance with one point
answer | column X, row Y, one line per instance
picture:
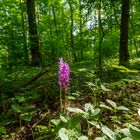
column 81, row 37
column 124, row 54
column 34, row 41
column 26, row 59
column 71, row 33
column 101, row 37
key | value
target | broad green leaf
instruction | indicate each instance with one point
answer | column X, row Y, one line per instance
column 113, row 104
column 83, row 69
column 135, row 133
column 70, row 98
column 105, row 106
column 99, row 138
column 26, row 117
column 16, row 108
column 104, row 88
column 88, row 107
column 126, row 132
column 108, row 132
column 75, row 110
column 63, row 119
column 83, row 138
column 139, row 112
column 2, row 130
column 127, row 138
column 96, row 112
column 63, row 134
column 29, row 107
column 90, row 84
column 20, row 98
column 56, row 121
column 42, row 127
column 94, row 123
column 123, row 108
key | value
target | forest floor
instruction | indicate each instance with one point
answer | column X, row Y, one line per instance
column 30, row 108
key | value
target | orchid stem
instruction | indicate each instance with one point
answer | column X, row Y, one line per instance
column 61, row 100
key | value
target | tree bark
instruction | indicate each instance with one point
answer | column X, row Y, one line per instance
column 81, row 37
column 26, row 59
column 101, row 37
column 123, row 52
column 71, row 33
column 34, row 41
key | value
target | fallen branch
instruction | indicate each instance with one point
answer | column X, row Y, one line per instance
column 30, row 81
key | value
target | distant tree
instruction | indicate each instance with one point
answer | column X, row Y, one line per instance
column 71, row 31
column 123, row 52
column 34, row 41
column 26, row 59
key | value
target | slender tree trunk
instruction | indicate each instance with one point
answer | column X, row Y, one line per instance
column 101, row 36
column 71, row 33
column 34, row 41
column 80, row 22
column 124, row 54
column 26, row 59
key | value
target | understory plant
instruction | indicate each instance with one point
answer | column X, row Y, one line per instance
column 71, row 126
column 63, row 79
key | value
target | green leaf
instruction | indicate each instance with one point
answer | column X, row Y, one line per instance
column 126, row 132
column 99, row 138
column 88, row 107
column 90, row 84
column 104, row 88
column 16, row 108
column 94, row 123
column 29, row 107
column 2, row 130
column 127, row 138
column 63, row 119
column 83, row 69
column 20, row 98
column 63, row 134
column 96, row 112
column 108, row 132
column 113, row 104
column 139, row 112
column 75, row 110
column 26, row 117
column 70, row 98
column 135, row 133
column 42, row 127
column 123, row 108
column 83, row 138
column 56, row 121
column 105, row 106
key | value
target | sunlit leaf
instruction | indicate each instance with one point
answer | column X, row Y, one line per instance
column 56, row 121
column 75, row 110
column 135, row 133
column 26, row 117
column 16, row 108
column 63, row 134
column 2, row 130
column 63, row 119
column 139, row 112
column 113, row 104
column 108, row 132
column 104, row 88
column 105, row 106
column 83, row 138
column 123, row 108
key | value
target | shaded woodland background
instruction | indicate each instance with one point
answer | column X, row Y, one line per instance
column 99, row 40
column 38, row 32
